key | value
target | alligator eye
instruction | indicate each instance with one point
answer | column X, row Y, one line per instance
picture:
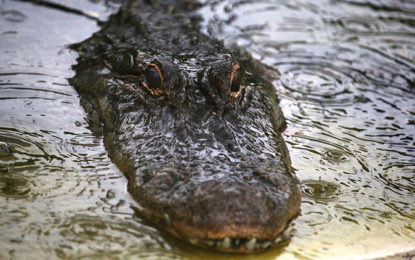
column 235, row 81
column 153, row 80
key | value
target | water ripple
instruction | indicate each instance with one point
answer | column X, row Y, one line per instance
column 347, row 85
column 347, row 90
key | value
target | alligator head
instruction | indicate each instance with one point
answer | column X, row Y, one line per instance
column 197, row 132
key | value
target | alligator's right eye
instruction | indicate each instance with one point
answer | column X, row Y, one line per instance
column 235, row 81
column 153, row 80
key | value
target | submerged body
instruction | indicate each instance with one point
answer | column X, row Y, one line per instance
column 195, row 129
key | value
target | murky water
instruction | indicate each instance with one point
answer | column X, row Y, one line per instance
column 347, row 84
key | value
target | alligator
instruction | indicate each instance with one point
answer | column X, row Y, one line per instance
column 195, row 127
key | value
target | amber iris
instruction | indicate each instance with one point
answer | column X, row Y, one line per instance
column 235, row 81
column 153, row 80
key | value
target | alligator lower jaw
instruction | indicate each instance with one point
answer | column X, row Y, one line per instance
column 243, row 245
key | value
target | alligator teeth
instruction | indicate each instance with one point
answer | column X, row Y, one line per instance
column 236, row 243
column 193, row 241
column 286, row 234
column 250, row 245
column 265, row 244
column 226, row 242
column 167, row 218
column 278, row 240
column 210, row 243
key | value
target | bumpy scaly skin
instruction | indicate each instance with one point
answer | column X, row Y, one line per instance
column 207, row 164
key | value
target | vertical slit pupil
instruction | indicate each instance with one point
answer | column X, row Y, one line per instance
column 236, row 81
column 153, row 78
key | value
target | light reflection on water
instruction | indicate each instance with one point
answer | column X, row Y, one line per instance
column 347, row 75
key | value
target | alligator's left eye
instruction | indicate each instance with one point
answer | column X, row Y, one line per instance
column 153, row 80
column 235, row 81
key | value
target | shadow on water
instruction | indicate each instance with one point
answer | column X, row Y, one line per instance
column 347, row 87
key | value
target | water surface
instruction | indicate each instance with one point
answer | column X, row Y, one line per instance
column 345, row 72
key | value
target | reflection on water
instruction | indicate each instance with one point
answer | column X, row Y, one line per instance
column 347, row 84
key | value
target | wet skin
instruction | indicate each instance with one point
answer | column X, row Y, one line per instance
column 194, row 127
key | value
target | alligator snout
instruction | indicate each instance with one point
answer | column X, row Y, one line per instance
column 242, row 211
column 234, row 215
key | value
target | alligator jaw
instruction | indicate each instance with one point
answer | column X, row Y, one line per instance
column 241, row 245
column 244, row 244
column 231, row 217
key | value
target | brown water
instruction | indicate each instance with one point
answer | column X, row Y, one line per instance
column 347, row 84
